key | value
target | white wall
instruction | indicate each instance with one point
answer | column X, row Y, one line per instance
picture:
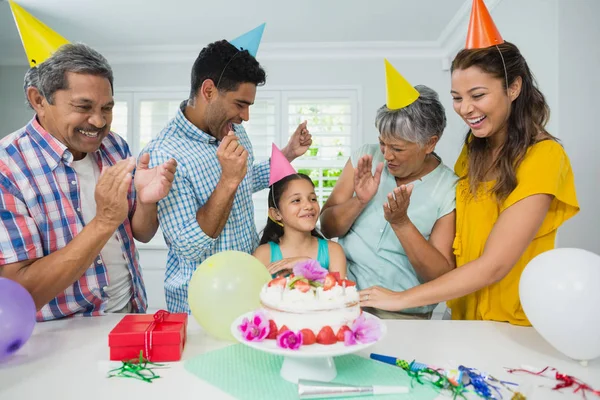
column 13, row 110
column 579, row 88
column 558, row 38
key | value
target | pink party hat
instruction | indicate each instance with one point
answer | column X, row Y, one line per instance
column 280, row 166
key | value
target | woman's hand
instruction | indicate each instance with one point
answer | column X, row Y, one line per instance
column 365, row 182
column 395, row 211
column 378, row 297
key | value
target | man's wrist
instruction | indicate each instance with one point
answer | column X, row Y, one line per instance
column 102, row 226
column 288, row 154
column 143, row 206
column 229, row 184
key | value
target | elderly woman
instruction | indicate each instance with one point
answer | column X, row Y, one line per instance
column 393, row 206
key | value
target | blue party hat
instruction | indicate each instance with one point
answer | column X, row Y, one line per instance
column 249, row 40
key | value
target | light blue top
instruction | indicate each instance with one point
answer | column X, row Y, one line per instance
column 375, row 255
column 198, row 171
column 322, row 254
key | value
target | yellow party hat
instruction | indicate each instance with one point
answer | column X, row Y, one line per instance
column 400, row 93
column 38, row 40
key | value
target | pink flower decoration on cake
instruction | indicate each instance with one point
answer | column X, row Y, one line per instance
column 256, row 328
column 311, row 270
column 290, row 340
column 362, row 331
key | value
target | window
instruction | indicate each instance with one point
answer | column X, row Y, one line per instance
column 153, row 116
column 120, row 120
column 332, row 117
column 331, row 121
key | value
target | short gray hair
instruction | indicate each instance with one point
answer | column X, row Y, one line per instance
column 31, row 79
column 415, row 123
column 78, row 58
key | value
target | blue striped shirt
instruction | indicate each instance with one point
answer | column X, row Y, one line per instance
column 198, row 172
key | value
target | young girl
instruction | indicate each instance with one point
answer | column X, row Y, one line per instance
column 516, row 188
column 290, row 235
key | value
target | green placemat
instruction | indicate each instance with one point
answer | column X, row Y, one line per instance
column 249, row 374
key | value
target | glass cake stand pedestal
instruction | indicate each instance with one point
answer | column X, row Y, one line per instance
column 313, row 362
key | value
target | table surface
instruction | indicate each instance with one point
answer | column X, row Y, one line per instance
column 68, row 359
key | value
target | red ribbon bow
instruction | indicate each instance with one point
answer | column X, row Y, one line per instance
column 159, row 317
column 565, row 380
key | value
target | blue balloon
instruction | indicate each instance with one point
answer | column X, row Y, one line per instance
column 17, row 317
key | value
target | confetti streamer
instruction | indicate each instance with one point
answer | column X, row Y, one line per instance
column 457, row 381
column 137, row 369
column 564, row 380
column 424, row 374
column 482, row 385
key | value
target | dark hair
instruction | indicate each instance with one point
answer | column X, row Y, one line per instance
column 51, row 75
column 272, row 231
column 529, row 115
column 226, row 66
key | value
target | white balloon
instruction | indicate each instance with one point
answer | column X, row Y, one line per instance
column 560, row 293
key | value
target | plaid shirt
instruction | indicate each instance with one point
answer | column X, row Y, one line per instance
column 198, row 172
column 40, row 214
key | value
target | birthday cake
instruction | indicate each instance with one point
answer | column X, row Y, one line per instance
column 313, row 301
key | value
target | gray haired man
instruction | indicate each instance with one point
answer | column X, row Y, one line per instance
column 70, row 207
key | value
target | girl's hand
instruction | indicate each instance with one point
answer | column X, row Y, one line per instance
column 284, row 267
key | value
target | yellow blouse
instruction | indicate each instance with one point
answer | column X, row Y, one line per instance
column 545, row 169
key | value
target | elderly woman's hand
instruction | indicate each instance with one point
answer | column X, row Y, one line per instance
column 378, row 297
column 365, row 183
column 395, row 211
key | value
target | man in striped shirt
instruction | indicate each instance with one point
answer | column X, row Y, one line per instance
column 69, row 212
column 210, row 208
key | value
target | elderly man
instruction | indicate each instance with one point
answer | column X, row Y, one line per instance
column 68, row 209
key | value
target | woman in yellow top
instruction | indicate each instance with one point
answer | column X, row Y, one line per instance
column 515, row 189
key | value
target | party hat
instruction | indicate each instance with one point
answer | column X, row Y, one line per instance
column 249, row 40
column 280, row 166
column 399, row 92
column 482, row 30
column 38, row 39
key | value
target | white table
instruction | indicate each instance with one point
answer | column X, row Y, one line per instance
column 68, row 359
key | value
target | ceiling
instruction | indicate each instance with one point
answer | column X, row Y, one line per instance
column 128, row 24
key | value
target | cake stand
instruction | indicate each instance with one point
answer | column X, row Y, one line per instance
column 313, row 362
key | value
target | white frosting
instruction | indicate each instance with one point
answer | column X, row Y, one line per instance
column 313, row 309
column 286, row 299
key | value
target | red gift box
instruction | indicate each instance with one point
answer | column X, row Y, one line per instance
column 160, row 337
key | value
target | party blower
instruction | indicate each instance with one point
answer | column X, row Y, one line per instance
column 328, row 390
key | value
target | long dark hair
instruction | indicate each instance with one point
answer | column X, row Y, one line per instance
column 528, row 117
column 273, row 232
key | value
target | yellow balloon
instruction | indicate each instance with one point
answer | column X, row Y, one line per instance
column 225, row 286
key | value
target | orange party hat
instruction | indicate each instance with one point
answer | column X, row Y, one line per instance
column 482, row 30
